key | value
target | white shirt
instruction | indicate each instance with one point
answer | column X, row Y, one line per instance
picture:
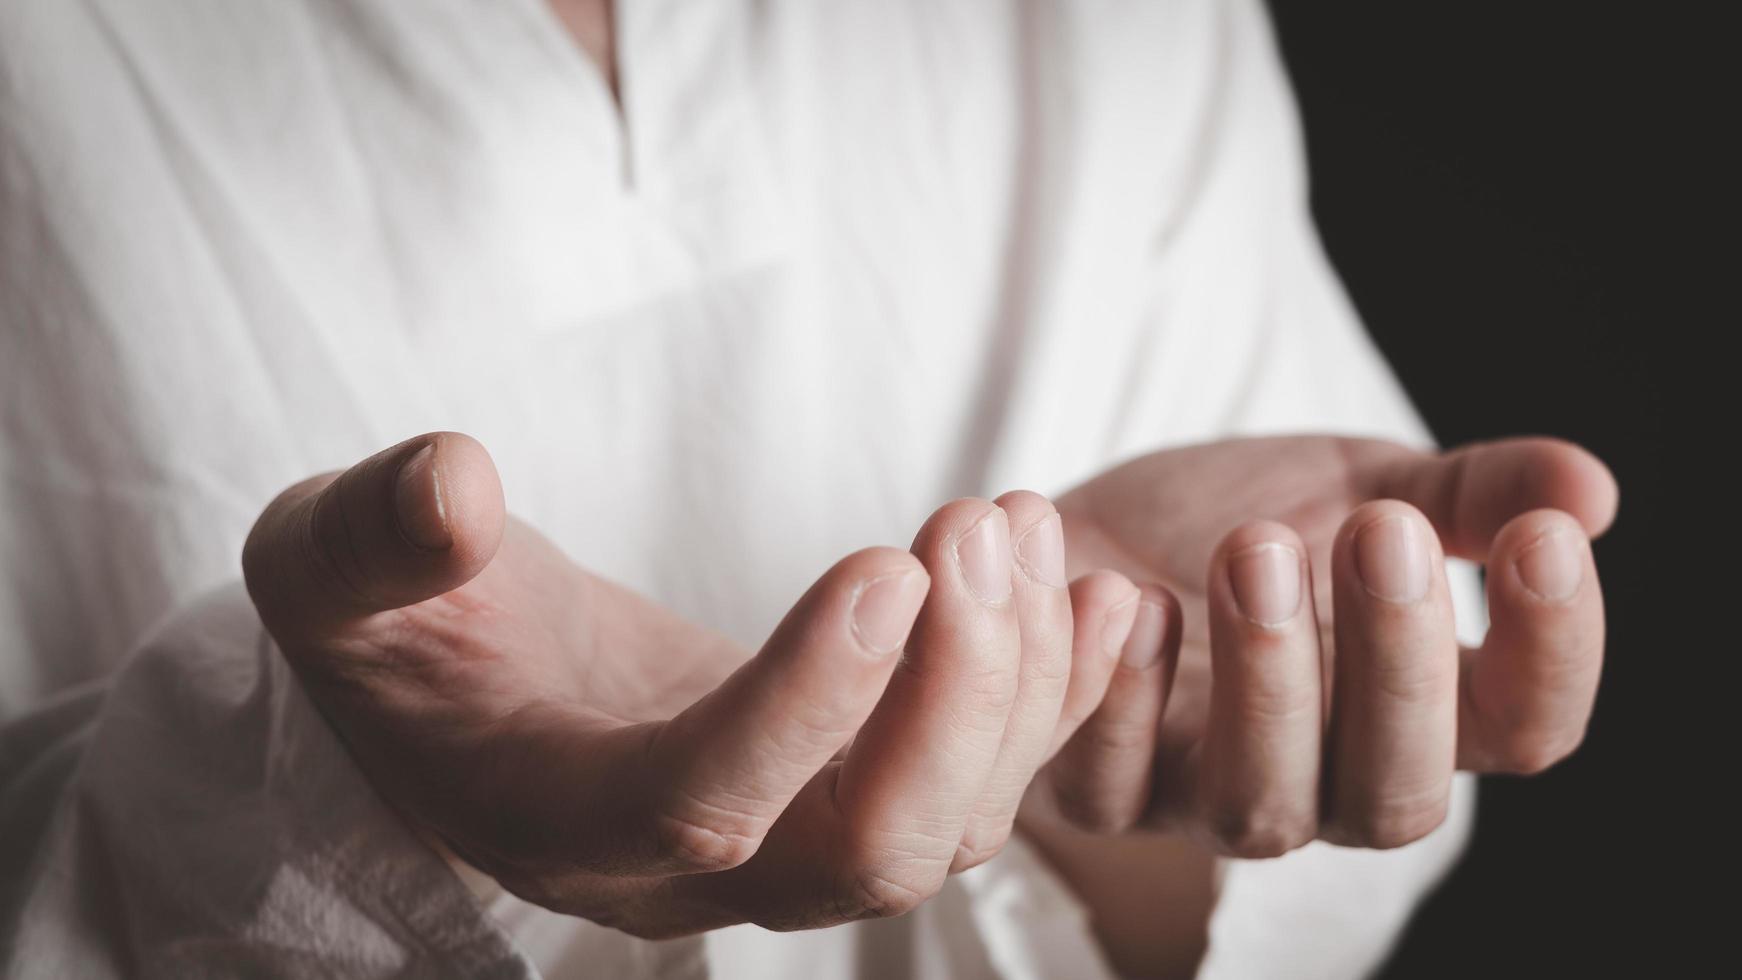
column 829, row 266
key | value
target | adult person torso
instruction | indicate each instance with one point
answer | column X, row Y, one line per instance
column 816, row 271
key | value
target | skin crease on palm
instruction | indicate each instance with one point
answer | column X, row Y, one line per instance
column 605, row 758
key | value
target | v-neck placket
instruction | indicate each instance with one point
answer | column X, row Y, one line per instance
column 692, row 192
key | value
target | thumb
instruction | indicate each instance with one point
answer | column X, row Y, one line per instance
column 407, row 524
column 1470, row 493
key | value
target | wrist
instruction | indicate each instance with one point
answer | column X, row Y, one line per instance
column 1149, row 895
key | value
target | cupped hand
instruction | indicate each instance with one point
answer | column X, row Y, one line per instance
column 600, row 756
column 1309, row 683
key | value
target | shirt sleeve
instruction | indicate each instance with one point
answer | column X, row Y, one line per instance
column 260, row 851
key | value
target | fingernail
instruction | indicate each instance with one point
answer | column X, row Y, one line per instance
column 417, row 497
column 1266, row 581
column 1392, row 559
column 1041, row 549
column 884, row 609
column 983, row 554
column 1550, row 568
column 1143, row 645
column 1116, row 627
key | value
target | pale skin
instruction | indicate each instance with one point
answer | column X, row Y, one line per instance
column 600, row 756
column 1343, row 719
column 1229, row 649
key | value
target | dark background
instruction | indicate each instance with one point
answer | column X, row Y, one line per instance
column 1510, row 193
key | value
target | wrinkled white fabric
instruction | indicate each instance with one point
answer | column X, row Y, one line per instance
column 829, row 266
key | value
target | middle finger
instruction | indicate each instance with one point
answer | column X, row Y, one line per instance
column 1043, row 606
column 1257, row 777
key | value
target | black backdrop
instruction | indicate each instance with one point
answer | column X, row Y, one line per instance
column 1502, row 188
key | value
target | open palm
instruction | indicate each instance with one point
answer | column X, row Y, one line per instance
column 601, row 756
column 1343, row 716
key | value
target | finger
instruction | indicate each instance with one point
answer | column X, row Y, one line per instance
column 717, row 776
column 1527, row 693
column 1394, row 701
column 697, row 793
column 1470, row 493
column 1102, row 777
column 916, row 769
column 1103, row 610
column 1043, row 612
column 407, row 524
column 1257, row 778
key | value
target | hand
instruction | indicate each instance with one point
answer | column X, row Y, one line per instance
column 600, row 756
column 1312, row 683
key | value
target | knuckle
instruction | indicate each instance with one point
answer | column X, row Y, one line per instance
column 1113, row 741
column 983, row 694
column 1563, row 659
column 983, row 713
column 1103, row 785
column 878, row 893
column 978, row 848
column 1391, row 827
column 1093, row 808
column 812, row 720
column 700, row 846
column 1273, row 697
column 991, row 690
column 1252, row 833
column 1048, row 674
column 1412, row 680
